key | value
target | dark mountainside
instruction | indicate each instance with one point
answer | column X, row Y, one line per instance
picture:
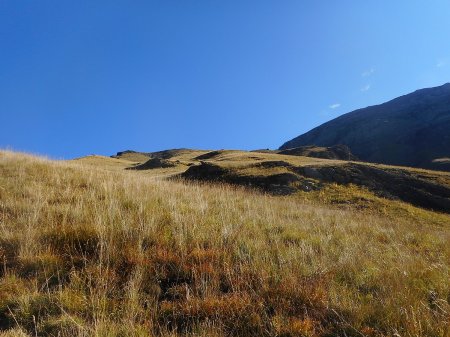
column 411, row 130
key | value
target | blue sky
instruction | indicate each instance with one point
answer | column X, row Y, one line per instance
column 82, row 77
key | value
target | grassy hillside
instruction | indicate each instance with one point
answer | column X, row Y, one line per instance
column 90, row 249
column 282, row 174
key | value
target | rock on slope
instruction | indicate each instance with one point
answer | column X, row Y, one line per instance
column 411, row 130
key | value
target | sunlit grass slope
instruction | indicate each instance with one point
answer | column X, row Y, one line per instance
column 87, row 251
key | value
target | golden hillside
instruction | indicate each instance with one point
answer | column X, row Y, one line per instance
column 88, row 248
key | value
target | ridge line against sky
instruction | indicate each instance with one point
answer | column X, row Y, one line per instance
column 104, row 76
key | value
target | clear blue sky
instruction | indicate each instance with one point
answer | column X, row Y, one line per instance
column 82, row 77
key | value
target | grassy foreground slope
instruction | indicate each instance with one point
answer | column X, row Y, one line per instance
column 94, row 250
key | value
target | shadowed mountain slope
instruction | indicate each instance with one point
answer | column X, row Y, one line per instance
column 411, row 130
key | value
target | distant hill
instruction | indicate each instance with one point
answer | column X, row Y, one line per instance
column 411, row 130
column 142, row 157
column 339, row 152
column 285, row 172
column 302, row 169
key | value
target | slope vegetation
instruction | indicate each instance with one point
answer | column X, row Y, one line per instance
column 287, row 172
column 95, row 250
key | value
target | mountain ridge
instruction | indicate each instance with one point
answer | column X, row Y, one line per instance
column 410, row 130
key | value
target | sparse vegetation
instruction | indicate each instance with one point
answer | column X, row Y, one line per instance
column 88, row 251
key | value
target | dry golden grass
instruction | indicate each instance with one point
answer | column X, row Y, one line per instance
column 87, row 251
